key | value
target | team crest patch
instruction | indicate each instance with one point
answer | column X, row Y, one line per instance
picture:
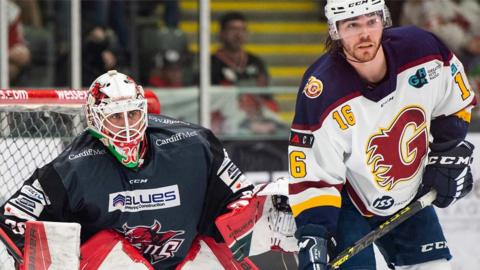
column 154, row 244
column 396, row 153
column 314, row 87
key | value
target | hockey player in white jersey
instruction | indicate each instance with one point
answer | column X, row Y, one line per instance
column 380, row 120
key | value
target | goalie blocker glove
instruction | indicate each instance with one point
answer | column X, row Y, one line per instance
column 259, row 222
column 448, row 171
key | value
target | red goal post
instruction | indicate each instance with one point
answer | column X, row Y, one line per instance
column 35, row 126
column 66, row 98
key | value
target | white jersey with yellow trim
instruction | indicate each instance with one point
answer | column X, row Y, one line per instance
column 373, row 140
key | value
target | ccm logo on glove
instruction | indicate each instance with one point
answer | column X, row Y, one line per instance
column 450, row 160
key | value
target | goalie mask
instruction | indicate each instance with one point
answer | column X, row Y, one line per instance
column 337, row 11
column 116, row 112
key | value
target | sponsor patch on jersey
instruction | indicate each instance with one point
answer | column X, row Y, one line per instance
column 144, row 199
column 12, row 210
column 86, row 153
column 453, row 69
column 313, row 88
column 301, row 139
column 419, row 79
column 25, row 205
column 153, row 243
column 231, row 175
column 176, row 137
column 35, row 194
column 241, row 183
column 434, row 72
column 383, row 203
column 29, row 203
column 166, row 121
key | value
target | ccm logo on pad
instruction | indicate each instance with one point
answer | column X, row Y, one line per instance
column 432, row 246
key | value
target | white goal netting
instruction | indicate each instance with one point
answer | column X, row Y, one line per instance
column 35, row 126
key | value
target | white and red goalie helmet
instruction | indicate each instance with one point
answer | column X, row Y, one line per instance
column 113, row 99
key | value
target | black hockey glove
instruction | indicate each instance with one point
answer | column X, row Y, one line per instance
column 448, row 171
column 313, row 247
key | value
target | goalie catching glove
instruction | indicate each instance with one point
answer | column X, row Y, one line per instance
column 260, row 222
column 448, row 171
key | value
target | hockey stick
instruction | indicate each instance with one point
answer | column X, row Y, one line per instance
column 11, row 247
column 384, row 228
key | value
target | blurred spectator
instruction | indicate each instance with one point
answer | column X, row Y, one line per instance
column 231, row 64
column 167, row 71
column 165, row 60
column 18, row 53
column 258, row 119
column 171, row 11
column 455, row 22
column 98, row 54
column 31, row 14
column 109, row 14
column 62, row 31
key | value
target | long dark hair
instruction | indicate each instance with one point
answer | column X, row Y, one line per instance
column 333, row 46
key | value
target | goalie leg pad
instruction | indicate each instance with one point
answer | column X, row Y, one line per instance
column 205, row 253
column 52, row 245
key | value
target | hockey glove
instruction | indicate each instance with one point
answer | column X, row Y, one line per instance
column 281, row 224
column 448, row 171
column 313, row 244
column 236, row 226
column 261, row 223
column 277, row 230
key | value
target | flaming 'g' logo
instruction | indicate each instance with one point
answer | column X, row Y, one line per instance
column 396, row 153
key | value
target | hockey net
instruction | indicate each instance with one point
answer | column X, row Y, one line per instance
column 36, row 125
